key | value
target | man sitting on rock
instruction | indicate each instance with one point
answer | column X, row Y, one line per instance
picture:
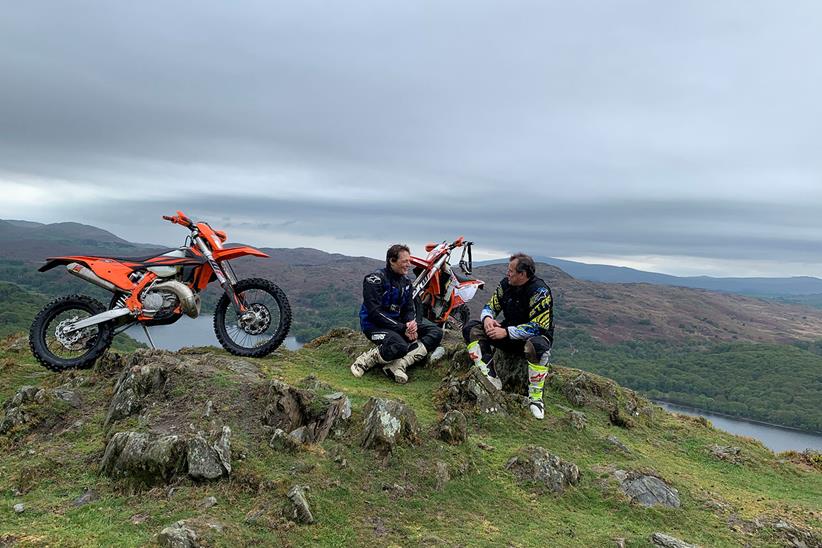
column 527, row 327
column 388, row 319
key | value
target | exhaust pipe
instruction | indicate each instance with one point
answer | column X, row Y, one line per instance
column 86, row 274
column 189, row 301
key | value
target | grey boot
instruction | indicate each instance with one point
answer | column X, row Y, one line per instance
column 397, row 368
column 366, row 361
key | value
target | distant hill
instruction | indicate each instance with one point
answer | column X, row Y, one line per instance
column 27, row 241
column 618, row 312
column 765, row 287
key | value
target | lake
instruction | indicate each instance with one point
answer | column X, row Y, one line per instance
column 775, row 438
column 187, row 331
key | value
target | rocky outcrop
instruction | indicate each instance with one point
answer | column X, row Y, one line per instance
column 536, row 464
column 304, row 414
column 386, row 424
column 453, row 428
column 647, row 490
column 132, row 388
column 32, row 405
column 472, row 390
column 582, row 389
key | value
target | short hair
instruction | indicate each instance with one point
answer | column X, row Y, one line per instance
column 393, row 253
column 524, row 264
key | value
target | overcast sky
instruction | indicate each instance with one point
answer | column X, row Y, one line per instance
column 680, row 137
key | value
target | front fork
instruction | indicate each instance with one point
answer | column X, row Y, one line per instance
column 226, row 277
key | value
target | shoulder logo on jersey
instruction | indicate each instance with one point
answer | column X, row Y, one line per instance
column 373, row 279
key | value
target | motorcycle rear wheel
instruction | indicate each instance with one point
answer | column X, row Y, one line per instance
column 270, row 327
column 75, row 351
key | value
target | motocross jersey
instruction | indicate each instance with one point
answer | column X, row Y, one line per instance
column 387, row 301
column 528, row 309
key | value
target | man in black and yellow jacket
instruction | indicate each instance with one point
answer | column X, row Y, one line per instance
column 528, row 327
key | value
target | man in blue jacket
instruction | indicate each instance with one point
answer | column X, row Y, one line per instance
column 528, row 328
column 388, row 319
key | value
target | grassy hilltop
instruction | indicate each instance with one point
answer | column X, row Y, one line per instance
column 426, row 494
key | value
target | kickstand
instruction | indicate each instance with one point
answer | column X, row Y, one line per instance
column 151, row 342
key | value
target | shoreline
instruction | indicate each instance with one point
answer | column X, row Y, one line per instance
column 739, row 418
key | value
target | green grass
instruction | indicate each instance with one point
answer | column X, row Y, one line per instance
column 358, row 505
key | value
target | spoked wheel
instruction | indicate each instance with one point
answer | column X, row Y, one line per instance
column 262, row 328
column 458, row 318
column 57, row 350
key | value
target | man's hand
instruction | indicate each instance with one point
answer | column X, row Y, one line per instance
column 496, row 333
column 489, row 324
column 411, row 330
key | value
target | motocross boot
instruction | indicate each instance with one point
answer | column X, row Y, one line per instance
column 397, row 368
column 475, row 353
column 536, row 381
column 366, row 361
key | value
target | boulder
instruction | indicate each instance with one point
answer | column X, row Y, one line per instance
column 386, row 424
column 297, row 508
column 138, row 457
column 536, row 464
column 453, row 428
column 178, row 535
column 667, row 541
column 726, row 453
column 307, row 415
column 86, row 498
column 576, row 419
column 647, row 490
column 209, row 461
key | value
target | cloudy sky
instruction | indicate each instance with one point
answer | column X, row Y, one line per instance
column 679, row 137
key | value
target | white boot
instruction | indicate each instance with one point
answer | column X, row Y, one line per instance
column 475, row 353
column 366, row 361
column 537, row 409
column 397, row 367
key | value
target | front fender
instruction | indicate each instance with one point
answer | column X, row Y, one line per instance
column 234, row 252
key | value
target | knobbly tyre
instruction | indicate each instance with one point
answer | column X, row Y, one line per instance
column 252, row 317
column 443, row 291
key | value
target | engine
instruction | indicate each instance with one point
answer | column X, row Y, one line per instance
column 159, row 304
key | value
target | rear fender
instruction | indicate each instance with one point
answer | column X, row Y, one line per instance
column 116, row 272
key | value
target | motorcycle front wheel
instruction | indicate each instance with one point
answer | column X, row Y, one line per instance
column 59, row 351
column 265, row 326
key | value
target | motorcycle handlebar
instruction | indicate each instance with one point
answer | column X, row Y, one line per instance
column 179, row 219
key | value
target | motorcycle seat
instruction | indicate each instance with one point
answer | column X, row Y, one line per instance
column 462, row 277
column 140, row 259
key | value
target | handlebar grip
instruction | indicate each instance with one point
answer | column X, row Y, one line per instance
column 168, row 218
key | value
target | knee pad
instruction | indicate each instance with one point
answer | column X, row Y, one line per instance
column 538, row 350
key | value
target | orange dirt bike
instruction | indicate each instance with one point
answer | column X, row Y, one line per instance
column 443, row 290
column 252, row 317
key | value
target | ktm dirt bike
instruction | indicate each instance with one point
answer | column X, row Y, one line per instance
column 252, row 317
column 443, row 291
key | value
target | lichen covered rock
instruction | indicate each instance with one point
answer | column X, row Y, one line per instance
column 386, row 424
column 536, row 464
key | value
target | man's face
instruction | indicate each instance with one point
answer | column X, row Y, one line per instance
column 401, row 264
column 515, row 278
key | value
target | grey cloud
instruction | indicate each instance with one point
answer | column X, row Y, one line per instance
column 595, row 128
